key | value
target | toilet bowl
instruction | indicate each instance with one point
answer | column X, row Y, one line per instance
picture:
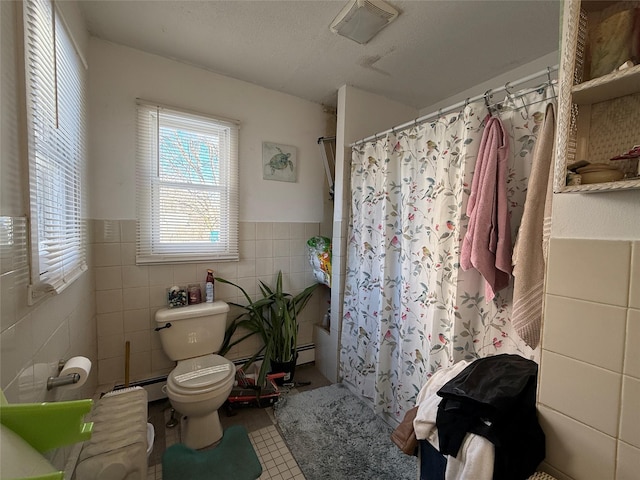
column 197, row 388
column 202, row 380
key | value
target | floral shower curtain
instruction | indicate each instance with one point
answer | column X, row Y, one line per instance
column 409, row 309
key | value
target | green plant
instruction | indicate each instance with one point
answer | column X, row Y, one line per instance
column 274, row 317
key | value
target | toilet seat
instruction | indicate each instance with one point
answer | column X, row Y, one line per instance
column 200, row 375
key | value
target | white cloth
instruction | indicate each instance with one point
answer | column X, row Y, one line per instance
column 474, row 460
column 476, row 455
column 427, row 401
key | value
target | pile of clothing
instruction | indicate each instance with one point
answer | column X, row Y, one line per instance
column 479, row 420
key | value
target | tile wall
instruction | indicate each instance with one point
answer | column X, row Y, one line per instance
column 127, row 295
column 34, row 338
column 589, row 391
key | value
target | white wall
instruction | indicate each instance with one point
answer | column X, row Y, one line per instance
column 604, row 216
column 534, row 66
column 119, row 75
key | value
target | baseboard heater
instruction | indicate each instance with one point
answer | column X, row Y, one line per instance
column 153, row 386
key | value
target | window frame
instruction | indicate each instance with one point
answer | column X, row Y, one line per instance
column 150, row 249
column 56, row 103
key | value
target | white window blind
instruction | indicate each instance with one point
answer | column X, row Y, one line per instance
column 187, row 186
column 55, row 86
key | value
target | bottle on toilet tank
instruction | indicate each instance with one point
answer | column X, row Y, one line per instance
column 208, row 289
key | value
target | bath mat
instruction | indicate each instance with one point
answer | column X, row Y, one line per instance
column 333, row 435
column 234, row 457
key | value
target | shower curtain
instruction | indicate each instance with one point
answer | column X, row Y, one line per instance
column 409, row 309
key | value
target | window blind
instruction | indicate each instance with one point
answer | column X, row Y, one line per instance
column 187, row 186
column 55, row 86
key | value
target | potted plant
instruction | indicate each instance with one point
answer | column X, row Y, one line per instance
column 274, row 317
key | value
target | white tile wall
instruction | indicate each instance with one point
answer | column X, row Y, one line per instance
column 128, row 295
column 34, row 338
column 569, row 387
column 632, row 359
column 577, row 450
column 634, row 290
column 589, row 388
column 593, row 270
column 587, row 331
column 628, row 462
column 630, row 415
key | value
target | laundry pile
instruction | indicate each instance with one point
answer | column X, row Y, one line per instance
column 478, row 420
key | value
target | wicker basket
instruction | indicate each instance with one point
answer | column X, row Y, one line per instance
column 613, row 126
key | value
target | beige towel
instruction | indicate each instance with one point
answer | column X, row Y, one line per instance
column 529, row 253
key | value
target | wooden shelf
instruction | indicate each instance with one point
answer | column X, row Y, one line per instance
column 607, row 87
column 631, row 184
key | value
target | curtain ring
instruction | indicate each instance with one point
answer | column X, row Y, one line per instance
column 506, row 88
column 487, row 94
column 553, row 90
column 464, row 105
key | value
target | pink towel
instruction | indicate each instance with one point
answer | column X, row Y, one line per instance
column 487, row 243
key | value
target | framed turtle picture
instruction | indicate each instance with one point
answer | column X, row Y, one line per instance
column 278, row 162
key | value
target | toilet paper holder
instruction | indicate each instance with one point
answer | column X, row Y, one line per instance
column 53, row 382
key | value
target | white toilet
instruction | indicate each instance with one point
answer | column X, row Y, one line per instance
column 201, row 381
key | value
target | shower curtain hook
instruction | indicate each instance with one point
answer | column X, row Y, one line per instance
column 487, row 94
column 550, row 81
column 464, row 105
column 506, row 88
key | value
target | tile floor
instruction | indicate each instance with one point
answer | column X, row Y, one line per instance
column 276, row 459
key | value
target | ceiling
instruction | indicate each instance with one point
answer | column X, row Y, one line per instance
column 433, row 50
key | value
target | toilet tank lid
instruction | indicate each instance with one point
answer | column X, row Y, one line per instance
column 191, row 311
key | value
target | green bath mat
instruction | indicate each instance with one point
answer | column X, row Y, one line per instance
column 233, row 458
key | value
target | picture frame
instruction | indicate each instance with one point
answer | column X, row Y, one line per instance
column 279, row 162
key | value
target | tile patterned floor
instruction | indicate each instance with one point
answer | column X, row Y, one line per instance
column 275, row 458
column 277, row 461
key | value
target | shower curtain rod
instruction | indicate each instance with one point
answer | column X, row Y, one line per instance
column 486, row 95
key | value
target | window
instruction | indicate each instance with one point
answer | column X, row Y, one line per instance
column 55, row 86
column 187, row 186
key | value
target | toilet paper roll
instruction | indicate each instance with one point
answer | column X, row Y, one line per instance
column 79, row 365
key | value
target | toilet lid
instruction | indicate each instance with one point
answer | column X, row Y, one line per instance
column 201, row 372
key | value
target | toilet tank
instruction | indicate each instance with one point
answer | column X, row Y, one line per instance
column 192, row 331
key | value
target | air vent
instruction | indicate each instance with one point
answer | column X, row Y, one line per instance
column 361, row 20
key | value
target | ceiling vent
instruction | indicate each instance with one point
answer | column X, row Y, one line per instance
column 360, row 20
